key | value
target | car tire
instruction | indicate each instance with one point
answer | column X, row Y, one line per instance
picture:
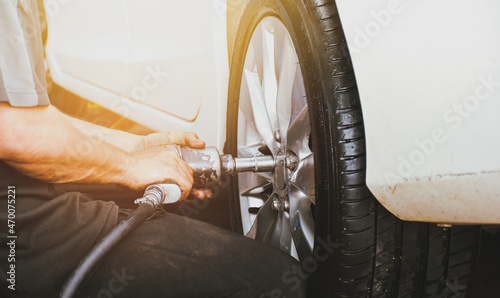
column 370, row 251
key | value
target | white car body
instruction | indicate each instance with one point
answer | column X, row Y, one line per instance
column 164, row 64
column 428, row 75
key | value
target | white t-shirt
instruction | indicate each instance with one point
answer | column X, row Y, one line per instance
column 22, row 69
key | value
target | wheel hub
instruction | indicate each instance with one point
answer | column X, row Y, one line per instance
column 280, row 175
column 286, row 163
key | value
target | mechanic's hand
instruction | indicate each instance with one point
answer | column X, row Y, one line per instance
column 169, row 138
column 159, row 165
column 190, row 139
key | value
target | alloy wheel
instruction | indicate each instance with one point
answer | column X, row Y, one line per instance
column 273, row 119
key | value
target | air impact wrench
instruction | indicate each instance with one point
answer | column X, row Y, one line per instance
column 208, row 167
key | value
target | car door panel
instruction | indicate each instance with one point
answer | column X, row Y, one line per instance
column 167, row 54
column 428, row 75
column 88, row 41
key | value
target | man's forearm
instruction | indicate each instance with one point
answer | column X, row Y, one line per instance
column 42, row 143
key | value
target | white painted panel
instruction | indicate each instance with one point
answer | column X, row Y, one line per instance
column 193, row 88
column 88, row 39
column 428, row 74
column 167, row 53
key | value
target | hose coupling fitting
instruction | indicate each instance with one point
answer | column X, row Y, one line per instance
column 158, row 194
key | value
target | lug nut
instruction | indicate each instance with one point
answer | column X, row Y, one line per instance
column 280, row 205
column 276, row 204
column 291, row 161
column 277, row 136
column 286, row 206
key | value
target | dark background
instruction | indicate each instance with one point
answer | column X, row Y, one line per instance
column 487, row 281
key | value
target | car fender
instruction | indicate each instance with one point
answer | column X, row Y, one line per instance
column 428, row 75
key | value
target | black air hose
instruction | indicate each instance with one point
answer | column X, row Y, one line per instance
column 154, row 196
column 139, row 215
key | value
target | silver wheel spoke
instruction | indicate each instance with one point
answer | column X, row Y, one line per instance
column 301, row 222
column 298, row 134
column 265, row 222
column 253, row 181
column 255, row 192
column 285, row 243
column 259, row 109
column 269, row 81
column 272, row 227
column 299, row 98
column 245, row 104
column 247, row 115
column 288, row 73
column 303, row 177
